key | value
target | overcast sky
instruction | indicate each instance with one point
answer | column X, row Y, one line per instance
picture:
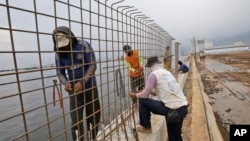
column 220, row 21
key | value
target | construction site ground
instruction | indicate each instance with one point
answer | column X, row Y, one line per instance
column 226, row 81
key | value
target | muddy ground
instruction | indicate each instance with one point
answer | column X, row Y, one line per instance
column 226, row 80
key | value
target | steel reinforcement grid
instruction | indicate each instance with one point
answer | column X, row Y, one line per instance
column 28, row 72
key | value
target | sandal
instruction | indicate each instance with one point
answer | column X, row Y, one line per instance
column 144, row 130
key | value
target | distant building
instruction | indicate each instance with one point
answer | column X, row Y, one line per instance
column 208, row 45
column 238, row 43
column 236, row 46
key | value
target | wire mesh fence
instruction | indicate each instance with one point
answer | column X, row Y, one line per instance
column 28, row 74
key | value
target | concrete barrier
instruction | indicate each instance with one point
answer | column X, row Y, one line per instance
column 159, row 130
column 199, row 129
column 213, row 129
column 204, row 126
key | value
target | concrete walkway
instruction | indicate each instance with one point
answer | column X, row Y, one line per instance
column 199, row 129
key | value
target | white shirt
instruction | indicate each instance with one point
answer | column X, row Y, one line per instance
column 166, row 87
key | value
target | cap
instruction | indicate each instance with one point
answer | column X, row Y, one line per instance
column 151, row 61
column 61, row 40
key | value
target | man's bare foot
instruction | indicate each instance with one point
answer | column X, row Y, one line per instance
column 144, row 130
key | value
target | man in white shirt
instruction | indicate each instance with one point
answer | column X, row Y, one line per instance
column 170, row 99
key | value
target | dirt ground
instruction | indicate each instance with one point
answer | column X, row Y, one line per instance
column 226, row 80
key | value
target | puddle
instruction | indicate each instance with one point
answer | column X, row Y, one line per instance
column 239, row 89
column 232, row 102
column 231, row 109
column 215, row 66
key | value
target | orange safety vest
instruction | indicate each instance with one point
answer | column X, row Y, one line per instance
column 133, row 63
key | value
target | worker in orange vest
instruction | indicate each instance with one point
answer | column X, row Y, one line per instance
column 134, row 63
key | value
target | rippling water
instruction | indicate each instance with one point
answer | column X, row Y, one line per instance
column 36, row 115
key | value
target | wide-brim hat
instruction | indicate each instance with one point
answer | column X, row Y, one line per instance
column 61, row 40
column 151, row 61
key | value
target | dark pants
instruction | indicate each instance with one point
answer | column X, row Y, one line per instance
column 88, row 99
column 146, row 106
column 135, row 82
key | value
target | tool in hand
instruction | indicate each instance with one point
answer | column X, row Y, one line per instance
column 58, row 92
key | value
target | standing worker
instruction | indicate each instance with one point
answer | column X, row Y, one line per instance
column 171, row 101
column 135, row 69
column 167, row 56
column 77, row 58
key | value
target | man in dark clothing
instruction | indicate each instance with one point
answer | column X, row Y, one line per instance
column 183, row 67
column 77, row 58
